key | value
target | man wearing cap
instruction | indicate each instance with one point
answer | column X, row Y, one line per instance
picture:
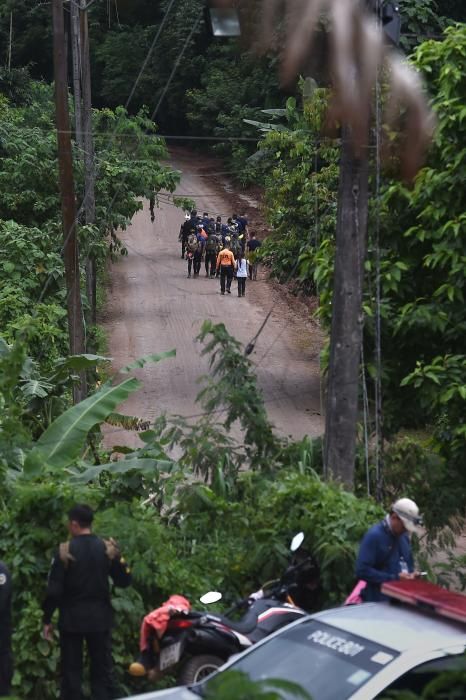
column 385, row 551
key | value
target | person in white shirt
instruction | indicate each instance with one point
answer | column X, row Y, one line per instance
column 241, row 273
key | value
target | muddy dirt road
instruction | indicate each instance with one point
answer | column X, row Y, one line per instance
column 152, row 306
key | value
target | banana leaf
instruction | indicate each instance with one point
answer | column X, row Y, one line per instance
column 65, row 438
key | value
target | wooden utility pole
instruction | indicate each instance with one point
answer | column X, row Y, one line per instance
column 76, row 62
column 347, row 317
column 347, row 314
column 89, row 162
column 68, row 202
column 10, row 43
column 83, row 119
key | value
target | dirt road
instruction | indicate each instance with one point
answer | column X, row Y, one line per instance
column 152, row 306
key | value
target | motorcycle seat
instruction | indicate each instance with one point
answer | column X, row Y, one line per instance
column 248, row 622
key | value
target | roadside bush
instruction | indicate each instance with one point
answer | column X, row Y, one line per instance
column 210, row 542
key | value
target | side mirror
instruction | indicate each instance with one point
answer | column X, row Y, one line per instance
column 297, row 541
column 210, row 597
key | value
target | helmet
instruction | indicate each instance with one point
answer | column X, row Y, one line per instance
column 408, row 512
column 187, row 216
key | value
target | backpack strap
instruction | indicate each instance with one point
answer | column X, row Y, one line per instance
column 65, row 554
column 112, row 549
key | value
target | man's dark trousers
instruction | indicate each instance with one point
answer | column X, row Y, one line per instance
column 210, row 260
column 197, row 262
column 226, row 276
column 6, row 673
column 99, row 650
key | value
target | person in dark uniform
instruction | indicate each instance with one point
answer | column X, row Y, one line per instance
column 151, row 207
column 78, row 585
column 6, row 661
column 188, row 227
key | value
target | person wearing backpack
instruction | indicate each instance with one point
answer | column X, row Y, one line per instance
column 79, row 586
column 188, row 227
column 243, row 225
column 211, row 247
column 192, row 244
column 199, row 252
column 235, row 244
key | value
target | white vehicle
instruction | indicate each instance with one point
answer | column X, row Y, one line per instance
column 359, row 651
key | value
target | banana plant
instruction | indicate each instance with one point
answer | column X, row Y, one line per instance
column 62, row 444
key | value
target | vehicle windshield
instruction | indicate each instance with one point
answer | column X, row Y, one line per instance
column 322, row 659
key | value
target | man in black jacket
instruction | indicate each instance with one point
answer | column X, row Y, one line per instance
column 6, row 663
column 188, row 227
column 78, row 585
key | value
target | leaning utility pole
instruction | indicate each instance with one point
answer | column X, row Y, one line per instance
column 347, row 319
column 68, row 203
column 346, row 334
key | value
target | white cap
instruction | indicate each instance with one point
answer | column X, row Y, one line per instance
column 408, row 512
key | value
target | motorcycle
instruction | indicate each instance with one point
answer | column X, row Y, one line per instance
column 199, row 642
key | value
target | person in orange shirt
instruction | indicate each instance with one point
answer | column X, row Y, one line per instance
column 226, row 265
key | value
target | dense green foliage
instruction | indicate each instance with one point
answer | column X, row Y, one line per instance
column 197, row 523
column 32, row 289
column 422, row 253
column 300, row 174
column 215, row 78
column 423, row 244
column 201, row 521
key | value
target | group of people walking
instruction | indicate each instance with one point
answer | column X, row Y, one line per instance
column 227, row 249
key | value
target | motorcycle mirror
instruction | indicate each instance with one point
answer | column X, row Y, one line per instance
column 297, row 541
column 210, row 597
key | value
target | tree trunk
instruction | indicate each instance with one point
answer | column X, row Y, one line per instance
column 347, row 317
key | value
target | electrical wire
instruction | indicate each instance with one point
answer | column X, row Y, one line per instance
column 378, row 293
column 194, row 416
column 251, row 345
